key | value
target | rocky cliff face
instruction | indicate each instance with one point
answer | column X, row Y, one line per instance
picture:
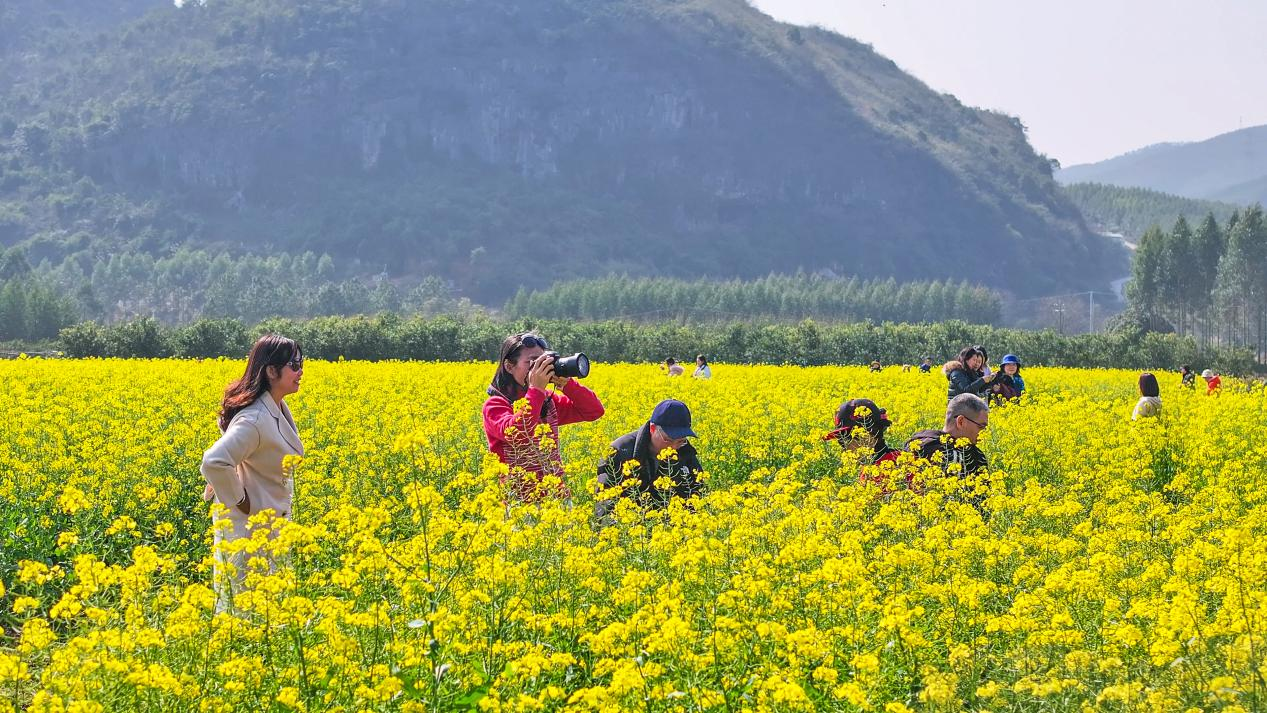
column 496, row 141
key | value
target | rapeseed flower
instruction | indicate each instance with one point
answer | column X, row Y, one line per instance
column 1111, row 566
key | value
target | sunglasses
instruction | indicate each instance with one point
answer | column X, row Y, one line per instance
column 296, row 362
column 531, row 340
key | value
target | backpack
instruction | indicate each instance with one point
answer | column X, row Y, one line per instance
column 929, row 442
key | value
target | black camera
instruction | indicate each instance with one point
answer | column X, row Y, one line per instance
column 576, row 366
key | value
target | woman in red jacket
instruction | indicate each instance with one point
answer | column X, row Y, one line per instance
column 527, row 438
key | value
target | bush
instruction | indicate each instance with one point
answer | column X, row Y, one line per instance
column 143, row 338
column 448, row 338
column 86, row 339
column 211, row 338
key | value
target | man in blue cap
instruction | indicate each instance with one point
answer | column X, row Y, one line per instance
column 668, row 428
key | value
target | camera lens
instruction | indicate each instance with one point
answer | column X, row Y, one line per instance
column 576, row 366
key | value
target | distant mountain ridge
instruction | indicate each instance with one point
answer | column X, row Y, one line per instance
column 504, row 144
column 1231, row 167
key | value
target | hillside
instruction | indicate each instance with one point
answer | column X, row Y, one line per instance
column 37, row 25
column 506, row 144
column 1131, row 211
column 1231, row 167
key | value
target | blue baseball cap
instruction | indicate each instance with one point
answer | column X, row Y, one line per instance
column 674, row 418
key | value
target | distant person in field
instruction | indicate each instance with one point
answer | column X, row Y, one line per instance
column 967, row 416
column 1149, row 404
column 525, row 371
column 1188, row 377
column 701, row 368
column 1212, row 382
column 964, row 374
column 673, row 368
column 246, row 468
column 926, row 365
column 875, row 367
column 1007, row 384
column 637, row 457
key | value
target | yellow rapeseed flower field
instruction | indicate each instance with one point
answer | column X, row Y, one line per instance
column 1113, row 565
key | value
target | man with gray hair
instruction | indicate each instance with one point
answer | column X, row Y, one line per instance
column 967, row 415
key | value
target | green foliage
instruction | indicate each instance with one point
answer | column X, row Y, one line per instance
column 1210, row 283
column 210, row 338
column 143, row 338
column 193, row 284
column 806, row 343
column 1131, row 211
column 781, row 297
column 87, row 339
column 32, row 310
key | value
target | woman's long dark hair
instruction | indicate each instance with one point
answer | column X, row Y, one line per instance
column 503, row 383
column 269, row 350
column 1148, row 385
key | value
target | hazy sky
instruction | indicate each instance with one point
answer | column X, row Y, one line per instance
column 1090, row 78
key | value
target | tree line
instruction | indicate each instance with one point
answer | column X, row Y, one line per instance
column 1131, row 211
column 776, row 297
column 30, row 309
column 1207, row 282
column 36, row 302
column 807, row 343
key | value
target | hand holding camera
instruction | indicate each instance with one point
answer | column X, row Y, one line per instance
column 542, row 371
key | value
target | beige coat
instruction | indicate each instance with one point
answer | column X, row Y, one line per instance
column 248, row 459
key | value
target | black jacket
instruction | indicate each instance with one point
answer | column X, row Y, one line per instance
column 929, row 442
column 964, row 380
column 683, row 470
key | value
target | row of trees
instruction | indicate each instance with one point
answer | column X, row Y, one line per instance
column 805, row 343
column 31, row 311
column 193, row 284
column 777, row 297
column 1209, row 282
column 1131, row 211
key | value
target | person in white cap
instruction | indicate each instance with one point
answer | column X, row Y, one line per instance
column 1212, row 382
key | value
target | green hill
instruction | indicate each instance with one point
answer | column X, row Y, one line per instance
column 1230, row 167
column 504, row 144
column 1131, row 211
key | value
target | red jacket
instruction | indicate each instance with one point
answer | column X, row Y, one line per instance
column 528, row 461
column 873, row 474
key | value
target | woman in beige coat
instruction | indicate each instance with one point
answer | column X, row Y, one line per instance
column 244, row 469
